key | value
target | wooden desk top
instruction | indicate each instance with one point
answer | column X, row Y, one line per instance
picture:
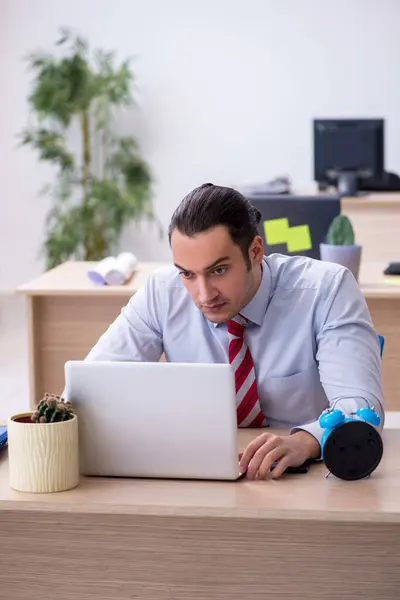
column 385, row 199
column 301, row 497
column 388, row 200
column 71, row 279
column 374, row 284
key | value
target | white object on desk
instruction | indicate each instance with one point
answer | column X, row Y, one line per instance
column 98, row 273
column 167, row 420
column 114, row 271
column 122, row 270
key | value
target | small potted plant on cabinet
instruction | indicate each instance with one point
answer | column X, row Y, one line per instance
column 43, row 447
column 340, row 245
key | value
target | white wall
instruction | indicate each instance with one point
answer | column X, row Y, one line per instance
column 227, row 92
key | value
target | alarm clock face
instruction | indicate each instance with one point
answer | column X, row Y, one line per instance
column 353, row 450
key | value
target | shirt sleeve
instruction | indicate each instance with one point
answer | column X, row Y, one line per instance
column 136, row 334
column 347, row 352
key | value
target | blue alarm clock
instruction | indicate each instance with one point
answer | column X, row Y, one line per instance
column 351, row 446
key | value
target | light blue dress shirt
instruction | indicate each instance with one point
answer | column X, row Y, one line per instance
column 309, row 332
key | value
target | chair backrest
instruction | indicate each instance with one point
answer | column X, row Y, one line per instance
column 381, row 343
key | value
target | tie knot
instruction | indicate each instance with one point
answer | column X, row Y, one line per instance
column 236, row 326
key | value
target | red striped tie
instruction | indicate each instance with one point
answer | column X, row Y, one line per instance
column 249, row 412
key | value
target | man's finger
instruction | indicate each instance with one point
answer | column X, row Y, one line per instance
column 281, row 467
column 259, row 456
column 251, row 449
column 275, row 455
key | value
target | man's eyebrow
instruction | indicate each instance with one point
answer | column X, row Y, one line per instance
column 179, row 267
column 214, row 264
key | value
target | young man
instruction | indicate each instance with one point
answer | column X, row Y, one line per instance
column 297, row 330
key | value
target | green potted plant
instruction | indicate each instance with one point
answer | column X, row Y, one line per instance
column 102, row 182
column 43, row 447
column 340, row 246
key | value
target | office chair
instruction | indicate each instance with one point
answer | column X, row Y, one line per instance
column 381, row 343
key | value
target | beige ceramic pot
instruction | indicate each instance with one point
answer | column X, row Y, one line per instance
column 43, row 457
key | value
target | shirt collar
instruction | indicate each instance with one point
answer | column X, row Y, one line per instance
column 255, row 310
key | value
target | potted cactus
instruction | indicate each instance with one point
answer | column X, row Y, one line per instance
column 340, row 246
column 43, row 447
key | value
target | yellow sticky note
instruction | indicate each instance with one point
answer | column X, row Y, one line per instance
column 394, row 280
column 297, row 238
column 276, row 231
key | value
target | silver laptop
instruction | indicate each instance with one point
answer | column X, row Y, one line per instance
column 167, row 420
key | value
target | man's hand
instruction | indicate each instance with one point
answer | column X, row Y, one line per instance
column 288, row 450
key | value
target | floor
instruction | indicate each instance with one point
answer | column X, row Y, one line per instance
column 14, row 380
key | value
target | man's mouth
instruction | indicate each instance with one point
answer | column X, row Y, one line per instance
column 214, row 306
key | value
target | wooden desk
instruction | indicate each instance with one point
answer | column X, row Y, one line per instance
column 376, row 221
column 303, row 536
column 383, row 301
column 67, row 314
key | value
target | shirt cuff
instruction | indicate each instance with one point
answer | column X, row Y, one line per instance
column 314, row 428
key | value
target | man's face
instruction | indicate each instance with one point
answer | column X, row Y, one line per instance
column 215, row 273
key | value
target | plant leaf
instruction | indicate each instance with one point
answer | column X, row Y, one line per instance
column 64, row 236
column 51, row 147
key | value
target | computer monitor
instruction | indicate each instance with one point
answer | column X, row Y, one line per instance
column 348, row 153
column 295, row 225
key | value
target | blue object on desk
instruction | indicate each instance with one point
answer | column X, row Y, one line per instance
column 351, row 446
column 3, row 436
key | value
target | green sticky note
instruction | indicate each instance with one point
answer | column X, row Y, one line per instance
column 299, row 239
column 276, row 231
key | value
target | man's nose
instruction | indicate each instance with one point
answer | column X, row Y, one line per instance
column 206, row 293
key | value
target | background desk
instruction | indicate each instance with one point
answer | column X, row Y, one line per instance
column 302, row 537
column 376, row 221
column 383, row 301
column 67, row 314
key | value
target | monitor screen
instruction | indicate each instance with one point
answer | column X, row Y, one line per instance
column 348, row 145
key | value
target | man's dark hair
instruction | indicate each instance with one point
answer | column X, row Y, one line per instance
column 210, row 206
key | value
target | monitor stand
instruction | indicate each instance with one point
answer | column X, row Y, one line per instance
column 347, row 183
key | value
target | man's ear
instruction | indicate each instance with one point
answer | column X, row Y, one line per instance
column 256, row 251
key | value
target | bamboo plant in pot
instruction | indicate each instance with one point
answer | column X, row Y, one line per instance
column 43, row 447
column 340, row 245
column 102, row 181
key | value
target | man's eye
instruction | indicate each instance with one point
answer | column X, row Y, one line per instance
column 220, row 270
column 185, row 274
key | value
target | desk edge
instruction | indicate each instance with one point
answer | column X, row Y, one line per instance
column 201, row 512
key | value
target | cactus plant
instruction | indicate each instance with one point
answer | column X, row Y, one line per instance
column 340, row 232
column 52, row 409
